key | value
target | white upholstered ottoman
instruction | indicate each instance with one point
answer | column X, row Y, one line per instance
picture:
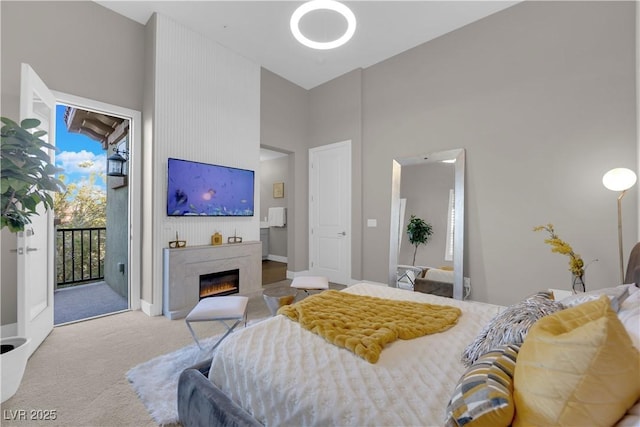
column 310, row 283
column 221, row 309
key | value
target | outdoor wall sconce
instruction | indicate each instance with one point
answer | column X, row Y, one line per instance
column 116, row 161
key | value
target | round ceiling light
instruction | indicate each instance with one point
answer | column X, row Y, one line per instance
column 323, row 5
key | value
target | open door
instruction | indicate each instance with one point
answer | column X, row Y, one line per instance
column 36, row 243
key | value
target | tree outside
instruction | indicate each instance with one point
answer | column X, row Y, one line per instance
column 81, row 218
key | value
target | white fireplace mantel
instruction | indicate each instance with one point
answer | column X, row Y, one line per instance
column 182, row 268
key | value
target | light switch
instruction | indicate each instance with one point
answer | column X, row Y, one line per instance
column 372, row 223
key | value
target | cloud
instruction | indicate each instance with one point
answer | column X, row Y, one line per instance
column 81, row 162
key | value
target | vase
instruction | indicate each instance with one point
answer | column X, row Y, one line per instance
column 577, row 284
column 15, row 352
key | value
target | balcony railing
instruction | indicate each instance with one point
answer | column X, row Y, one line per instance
column 80, row 255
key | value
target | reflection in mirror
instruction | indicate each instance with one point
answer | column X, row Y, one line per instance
column 431, row 187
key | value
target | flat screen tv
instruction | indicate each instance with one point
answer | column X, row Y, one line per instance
column 201, row 189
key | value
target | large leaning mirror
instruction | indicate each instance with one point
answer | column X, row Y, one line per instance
column 429, row 187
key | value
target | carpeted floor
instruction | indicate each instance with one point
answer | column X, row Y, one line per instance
column 86, row 301
column 79, row 371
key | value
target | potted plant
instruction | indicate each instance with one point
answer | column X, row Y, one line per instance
column 26, row 178
column 27, row 174
column 419, row 232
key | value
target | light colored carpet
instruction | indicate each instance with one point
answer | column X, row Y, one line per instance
column 156, row 381
column 80, row 370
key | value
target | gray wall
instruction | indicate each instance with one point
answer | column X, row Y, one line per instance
column 335, row 115
column 426, row 188
column 69, row 46
column 284, row 112
column 272, row 171
column 541, row 96
column 117, row 245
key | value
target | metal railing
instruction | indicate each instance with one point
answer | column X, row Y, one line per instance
column 80, row 255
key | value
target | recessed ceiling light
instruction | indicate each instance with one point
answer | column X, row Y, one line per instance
column 323, row 5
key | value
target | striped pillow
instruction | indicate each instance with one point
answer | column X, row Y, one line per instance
column 483, row 396
column 511, row 325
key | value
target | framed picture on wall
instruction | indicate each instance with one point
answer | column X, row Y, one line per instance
column 278, row 190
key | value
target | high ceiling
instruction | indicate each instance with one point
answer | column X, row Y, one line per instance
column 259, row 30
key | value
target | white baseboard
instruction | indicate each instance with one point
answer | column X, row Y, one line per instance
column 149, row 309
column 277, row 258
column 10, row 330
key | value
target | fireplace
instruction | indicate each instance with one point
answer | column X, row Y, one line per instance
column 219, row 284
column 182, row 268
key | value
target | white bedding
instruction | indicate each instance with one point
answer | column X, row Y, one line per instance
column 285, row 375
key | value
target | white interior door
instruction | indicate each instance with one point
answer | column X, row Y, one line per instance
column 36, row 243
column 330, row 211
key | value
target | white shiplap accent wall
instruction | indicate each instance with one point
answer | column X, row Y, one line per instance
column 207, row 109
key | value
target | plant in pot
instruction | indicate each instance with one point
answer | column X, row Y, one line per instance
column 26, row 180
column 419, row 231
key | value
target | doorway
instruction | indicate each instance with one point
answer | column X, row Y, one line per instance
column 275, row 196
column 122, row 256
column 91, row 250
column 330, row 212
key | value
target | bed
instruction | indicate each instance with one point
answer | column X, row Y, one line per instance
column 309, row 382
column 428, row 280
column 277, row 373
column 435, row 281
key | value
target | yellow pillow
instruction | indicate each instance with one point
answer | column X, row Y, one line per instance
column 576, row 367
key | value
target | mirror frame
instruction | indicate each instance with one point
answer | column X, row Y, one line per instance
column 458, row 238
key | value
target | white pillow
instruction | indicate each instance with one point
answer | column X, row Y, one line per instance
column 629, row 315
column 617, row 295
column 631, row 418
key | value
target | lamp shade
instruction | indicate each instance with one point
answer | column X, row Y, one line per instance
column 619, row 179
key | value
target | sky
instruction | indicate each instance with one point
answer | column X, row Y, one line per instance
column 75, row 149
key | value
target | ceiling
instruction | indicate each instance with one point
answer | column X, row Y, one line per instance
column 259, row 30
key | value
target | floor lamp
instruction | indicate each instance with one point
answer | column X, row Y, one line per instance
column 619, row 179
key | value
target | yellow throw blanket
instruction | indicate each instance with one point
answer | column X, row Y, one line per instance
column 364, row 325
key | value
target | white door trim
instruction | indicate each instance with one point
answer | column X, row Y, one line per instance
column 35, row 307
column 135, row 180
column 313, row 221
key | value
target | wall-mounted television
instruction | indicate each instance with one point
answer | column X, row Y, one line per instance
column 202, row 189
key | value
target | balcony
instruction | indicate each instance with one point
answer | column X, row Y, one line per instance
column 79, row 255
column 81, row 289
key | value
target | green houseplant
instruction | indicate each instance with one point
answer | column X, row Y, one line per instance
column 419, row 231
column 27, row 174
column 26, row 178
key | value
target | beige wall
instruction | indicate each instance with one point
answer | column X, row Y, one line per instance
column 272, row 171
column 335, row 115
column 71, row 54
column 284, row 112
column 542, row 97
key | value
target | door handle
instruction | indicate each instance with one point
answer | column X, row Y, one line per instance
column 344, row 233
column 31, row 249
column 19, row 251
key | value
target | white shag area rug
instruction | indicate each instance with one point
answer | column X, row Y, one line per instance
column 156, row 380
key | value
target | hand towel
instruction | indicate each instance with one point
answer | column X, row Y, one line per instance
column 277, row 217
